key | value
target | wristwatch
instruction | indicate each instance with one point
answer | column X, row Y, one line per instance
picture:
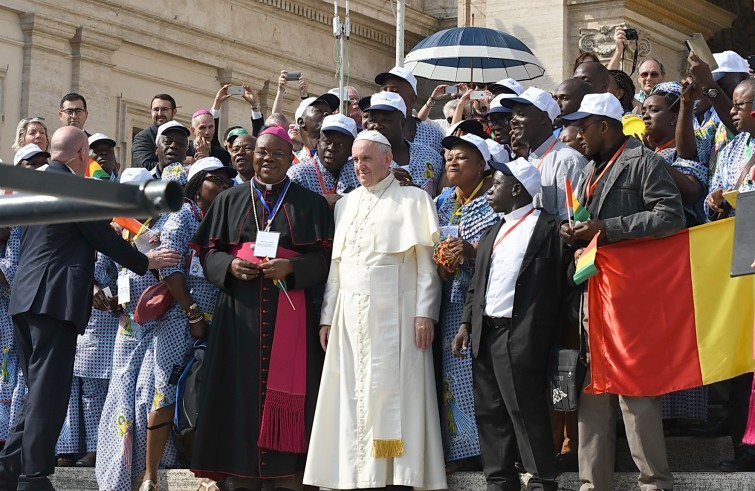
column 712, row 93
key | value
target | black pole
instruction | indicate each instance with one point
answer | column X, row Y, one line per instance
column 58, row 198
column 151, row 198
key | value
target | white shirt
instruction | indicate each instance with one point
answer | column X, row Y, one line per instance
column 562, row 162
column 506, row 261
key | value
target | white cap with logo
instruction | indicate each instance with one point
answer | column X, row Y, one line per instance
column 209, row 164
column 341, row 123
column 729, row 62
column 535, row 97
column 387, row 101
column 399, row 72
column 470, row 139
column 135, row 175
column 598, row 105
column 508, row 83
column 98, row 137
column 27, row 152
column 171, row 126
column 525, row 173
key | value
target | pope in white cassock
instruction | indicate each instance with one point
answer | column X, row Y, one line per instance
column 376, row 422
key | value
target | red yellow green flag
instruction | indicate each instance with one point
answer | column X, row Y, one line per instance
column 586, row 263
column 94, row 170
column 576, row 210
column 665, row 314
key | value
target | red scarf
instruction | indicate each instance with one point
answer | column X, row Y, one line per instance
column 282, row 428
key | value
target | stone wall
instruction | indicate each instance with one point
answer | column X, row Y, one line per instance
column 119, row 54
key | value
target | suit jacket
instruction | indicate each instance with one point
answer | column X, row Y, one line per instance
column 143, row 148
column 56, row 266
column 538, row 299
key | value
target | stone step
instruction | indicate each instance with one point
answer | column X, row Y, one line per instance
column 685, row 454
column 73, row 479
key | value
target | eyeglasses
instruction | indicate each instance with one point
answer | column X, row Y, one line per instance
column 498, row 120
column 738, row 106
column 277, row 155
column 33, row 119
column 70, row 112
column 581, row 129
column 219, row 180
column 649, row 74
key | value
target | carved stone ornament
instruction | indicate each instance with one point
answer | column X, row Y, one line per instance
column 600, row 41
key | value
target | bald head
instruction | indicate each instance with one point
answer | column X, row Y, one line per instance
column 596, row 76
column 570, row 93
column 71, row 146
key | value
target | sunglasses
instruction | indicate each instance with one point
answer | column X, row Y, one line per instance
column 33, row 119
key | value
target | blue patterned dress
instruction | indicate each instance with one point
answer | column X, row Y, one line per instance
column 692, row 168
column 121, row 447
column 425, row 166
column 429, row 136
column 9, row 371
column 307, row 176
column 91, row 369
column 458, row 420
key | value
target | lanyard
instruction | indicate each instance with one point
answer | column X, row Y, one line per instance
column 506, row 233
column 458, row 208
column 547, row 151
column 666, row 145
column 322, row 181
column 592, row 185
column 276, row 207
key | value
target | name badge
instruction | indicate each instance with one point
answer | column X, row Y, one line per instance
column 449, row 231
column 195, row 269
column 124, row 288
column 266, row 244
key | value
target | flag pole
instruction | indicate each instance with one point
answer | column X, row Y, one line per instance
column 400, row 16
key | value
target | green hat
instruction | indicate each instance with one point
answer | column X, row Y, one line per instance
column 236, row 132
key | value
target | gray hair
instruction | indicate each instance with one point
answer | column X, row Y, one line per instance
column 277, row 119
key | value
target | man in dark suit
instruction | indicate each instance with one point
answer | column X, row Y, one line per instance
column 163, row 109
column 50, row 303
column 512, row 311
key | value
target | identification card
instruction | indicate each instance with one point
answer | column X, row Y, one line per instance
column 266, row 244
column 195, row 269
column 449, row 231
column 124, row 288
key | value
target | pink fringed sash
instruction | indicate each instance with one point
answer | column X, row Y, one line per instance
column 283, row 427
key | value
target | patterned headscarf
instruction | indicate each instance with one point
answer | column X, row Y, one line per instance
column 674, row 88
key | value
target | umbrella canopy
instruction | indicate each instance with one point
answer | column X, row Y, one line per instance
column 448, row 55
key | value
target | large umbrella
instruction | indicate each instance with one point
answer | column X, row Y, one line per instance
column 476, row 54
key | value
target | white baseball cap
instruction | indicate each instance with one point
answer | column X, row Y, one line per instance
column 598, row 105
column 27, row 152
column 496, row 105
column 209, row 164
column 524, row 172
column 469, row 139
column 498, row 153
column 341, row 123
column 135, row 175
column 387, row 101
column 332, row 100
column 171, row 126
column 373, row 136
column 97, row 137
column 399, row 72
column 729, row 62
column 508, row 83
column 535, row 97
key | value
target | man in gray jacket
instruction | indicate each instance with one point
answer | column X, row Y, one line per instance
column 629, row 195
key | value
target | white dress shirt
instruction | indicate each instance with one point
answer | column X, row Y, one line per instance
column 506, row 261
column 562, row 162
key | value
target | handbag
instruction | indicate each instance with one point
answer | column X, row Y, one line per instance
column 567, row 367
column 154, row 301
column 187, row 401
column 566, row 375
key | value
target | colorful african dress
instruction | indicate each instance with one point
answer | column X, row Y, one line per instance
column 425, row 166
column 457, row 410
column 8, row 358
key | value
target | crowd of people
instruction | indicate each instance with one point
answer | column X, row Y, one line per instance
column 371, row 296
